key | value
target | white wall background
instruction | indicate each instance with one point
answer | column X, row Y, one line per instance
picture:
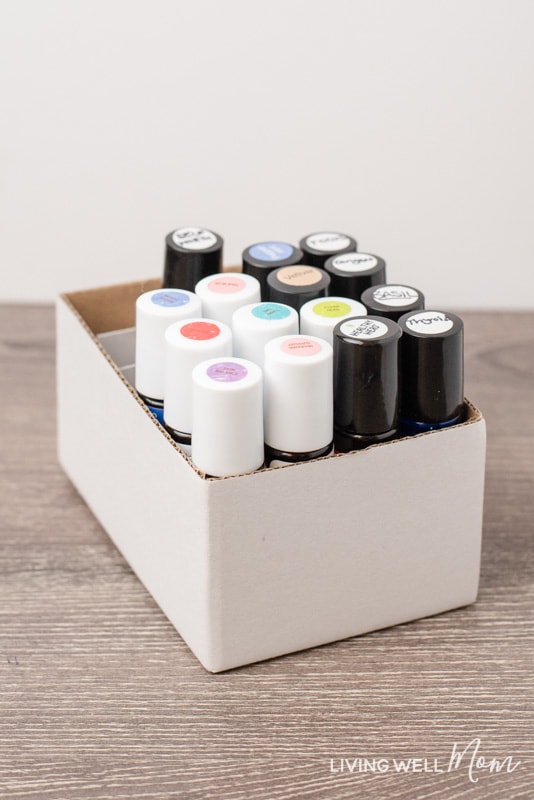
column 407, row 123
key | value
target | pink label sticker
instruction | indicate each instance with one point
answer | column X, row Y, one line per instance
column 226, row 284
column 200, row 331
column 299, row 346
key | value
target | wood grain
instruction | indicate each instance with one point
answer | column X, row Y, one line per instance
column 101, row 699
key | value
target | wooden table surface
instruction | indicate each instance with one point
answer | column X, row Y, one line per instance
column 100, row 698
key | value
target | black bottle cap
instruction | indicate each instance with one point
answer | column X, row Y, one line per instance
column 318, row 247
column 352, row 273
column 191, row 254
column 260, row 259
column 366, row 363
column 295, row 285
column 432, row 369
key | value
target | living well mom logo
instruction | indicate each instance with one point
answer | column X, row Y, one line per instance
column 468, row 758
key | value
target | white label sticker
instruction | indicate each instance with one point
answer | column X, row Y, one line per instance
column 328, row 242
column 396, row 296
column 194, row 238
column 363, row 329
column 429, row 322
column 354, row 262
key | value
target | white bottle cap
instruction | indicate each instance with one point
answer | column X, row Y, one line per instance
column 187, row 344
column 319, row 317
column 224, row 292
column 298, row 394
column 256, row 324
column 227, row 435
column 155, row 311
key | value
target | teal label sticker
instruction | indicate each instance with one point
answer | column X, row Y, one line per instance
column 271, row 311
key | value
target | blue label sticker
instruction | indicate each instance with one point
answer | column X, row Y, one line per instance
column 271, row 251
column 170, row 298
column 271, row 311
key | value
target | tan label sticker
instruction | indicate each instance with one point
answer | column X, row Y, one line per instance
column 299, row 276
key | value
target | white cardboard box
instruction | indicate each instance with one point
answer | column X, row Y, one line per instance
column 255, row 566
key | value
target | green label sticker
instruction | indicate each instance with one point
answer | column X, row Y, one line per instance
column 331, row 308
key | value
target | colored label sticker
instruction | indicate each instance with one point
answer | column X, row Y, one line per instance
column 299, row 276
column 227, row 284
column 328, row 242
column 363, row 328
column 354, row 262
column 170, row 299
column 396, row 296
column 194, row 238
column 227, row 372
column 300, row 346
column 200, row 331
column 271, row 251
column 271, row 311
column 429, row 322
column 331, row 308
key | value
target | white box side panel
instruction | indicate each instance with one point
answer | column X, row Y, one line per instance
column 145, row 495
column 340, row 547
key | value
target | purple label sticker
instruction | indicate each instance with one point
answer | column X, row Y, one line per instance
column 227, row 371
